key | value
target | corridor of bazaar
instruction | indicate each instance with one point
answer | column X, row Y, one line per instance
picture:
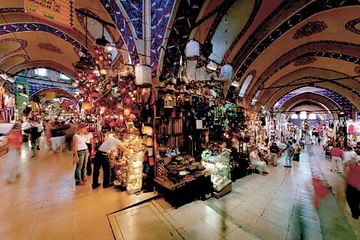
column 179, row 119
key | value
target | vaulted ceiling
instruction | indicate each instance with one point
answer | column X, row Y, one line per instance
column 285, row 45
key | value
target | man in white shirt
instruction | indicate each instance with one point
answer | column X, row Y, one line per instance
column 102, row 160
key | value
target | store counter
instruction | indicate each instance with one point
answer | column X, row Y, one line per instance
column 182, row 193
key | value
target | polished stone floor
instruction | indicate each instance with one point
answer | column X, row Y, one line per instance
column 45, row 204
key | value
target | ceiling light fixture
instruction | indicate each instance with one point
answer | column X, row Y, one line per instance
column 102, row 41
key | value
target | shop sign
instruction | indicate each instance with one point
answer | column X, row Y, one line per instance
column 56, row 11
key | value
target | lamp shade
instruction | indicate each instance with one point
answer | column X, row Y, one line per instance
column 86, row 106
column 142, row 74
column 226, row 72
column 192, row 49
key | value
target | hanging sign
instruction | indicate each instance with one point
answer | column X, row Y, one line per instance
column 57, row 11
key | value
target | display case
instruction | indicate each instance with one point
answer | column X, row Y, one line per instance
column 182, row 179
column 129, row 166
column 217, row 162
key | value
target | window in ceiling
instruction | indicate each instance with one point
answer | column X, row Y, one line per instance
column 312, row 116
column 294, row 116
column 64, row 77
column 245, row 85
column 41, row 72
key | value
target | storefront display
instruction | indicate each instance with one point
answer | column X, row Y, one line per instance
column 182, row 179
column 217, row 161
column 128, row 166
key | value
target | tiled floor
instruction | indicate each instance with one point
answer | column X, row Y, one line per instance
column 45, row 204
column 276, row 206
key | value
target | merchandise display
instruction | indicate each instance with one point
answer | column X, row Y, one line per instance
column 218, row 163
column 129, row 167
column 182, row 179
column 175, row 172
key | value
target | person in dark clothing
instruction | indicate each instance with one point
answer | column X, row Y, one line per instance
column 274, row 151
column 102, row 160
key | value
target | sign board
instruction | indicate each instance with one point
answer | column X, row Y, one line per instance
column 56, row 11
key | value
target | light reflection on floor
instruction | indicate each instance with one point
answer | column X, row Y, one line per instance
column 45, row 204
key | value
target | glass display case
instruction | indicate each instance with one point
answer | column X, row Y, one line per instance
column 217, row 161
column 129, row 168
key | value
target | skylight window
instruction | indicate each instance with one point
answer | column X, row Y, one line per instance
column 64, row 77
column 245, row 85
column 41, row 72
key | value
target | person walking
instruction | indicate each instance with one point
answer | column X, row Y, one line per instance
column 274, row 151
column 35, row 132
column 336, row 154
column 297, row 152
column 40, row 128
column 352, row 176
column 289, row 155
column 14, row 138
column 89, row 139
column 102, row 160
column 348, row 153
column 80, row 151
column 69, row 133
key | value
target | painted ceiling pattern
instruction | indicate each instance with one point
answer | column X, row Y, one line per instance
column 33, row 27
column 36, row 86
column 262, row 29
column 344, row 104
column 160, row 17
column 224, row 8
column 353, row 25
column 309, row 29
column 300, row 16
column 123, row 25
column 23, row 44
column 50, row 47
column 310, row 57
column 134, row 10
column 185, row 19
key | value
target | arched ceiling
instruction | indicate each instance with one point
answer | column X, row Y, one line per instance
column 41, row 41
column 55, row 92
column 325, row 100
column 281, row 43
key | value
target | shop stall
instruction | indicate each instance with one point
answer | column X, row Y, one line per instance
column 217, row 161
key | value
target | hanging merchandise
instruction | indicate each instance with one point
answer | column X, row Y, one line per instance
column 169, row 101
